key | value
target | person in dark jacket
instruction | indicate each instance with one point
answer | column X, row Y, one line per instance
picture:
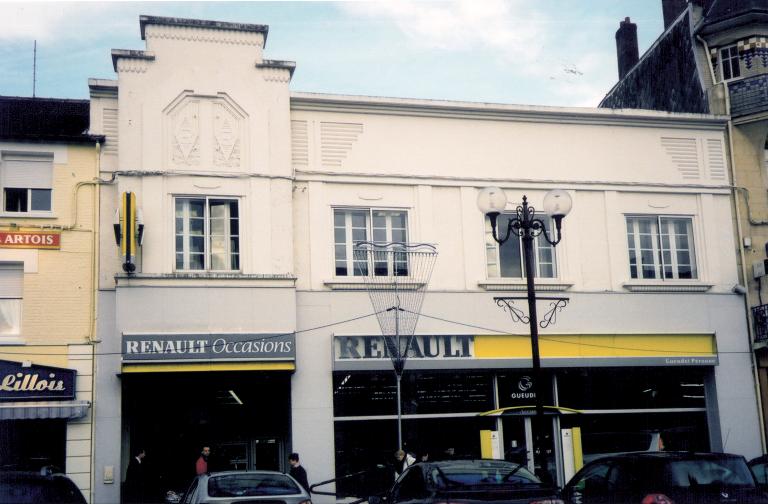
column 297, row 472
column 136, row 477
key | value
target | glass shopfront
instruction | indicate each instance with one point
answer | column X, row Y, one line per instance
column 614, row 409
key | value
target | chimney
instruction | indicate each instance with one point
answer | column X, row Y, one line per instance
column 626, row 47
column 672, row 9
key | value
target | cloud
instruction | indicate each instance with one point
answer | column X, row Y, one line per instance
column 55, row 21
column 510, row 28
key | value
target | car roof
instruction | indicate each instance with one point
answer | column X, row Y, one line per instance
column 466, row 462
column 226, row 473
column 29, row 475
column 671, row 455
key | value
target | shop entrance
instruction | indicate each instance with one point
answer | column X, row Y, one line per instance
column 530, row 441
column 263, row 453
column 243, row 417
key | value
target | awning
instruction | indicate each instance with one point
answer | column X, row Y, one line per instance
column 37, row 410
column 529, row 411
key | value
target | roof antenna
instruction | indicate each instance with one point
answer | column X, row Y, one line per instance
column 34, row 70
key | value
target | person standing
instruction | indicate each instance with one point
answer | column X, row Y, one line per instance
column 201, row 466
column 136, row 477
column 297, row 471
column 402, row 461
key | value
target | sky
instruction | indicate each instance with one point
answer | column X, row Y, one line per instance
column 533, row 52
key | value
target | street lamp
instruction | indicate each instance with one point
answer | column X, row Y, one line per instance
column 557, row 203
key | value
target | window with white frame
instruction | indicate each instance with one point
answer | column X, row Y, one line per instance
column 661, row 248
column 352, row 225
column 27, row 182
column 11, row 291
column 729, row 62
column 207, row 234
column 506, row 260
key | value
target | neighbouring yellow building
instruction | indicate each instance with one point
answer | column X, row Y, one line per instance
column 49, row 169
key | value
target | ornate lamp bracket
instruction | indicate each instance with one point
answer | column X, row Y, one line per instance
column 556, row 305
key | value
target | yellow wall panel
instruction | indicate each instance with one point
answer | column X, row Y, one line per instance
column 596, row 345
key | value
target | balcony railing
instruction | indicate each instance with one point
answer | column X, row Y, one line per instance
column 760, row 320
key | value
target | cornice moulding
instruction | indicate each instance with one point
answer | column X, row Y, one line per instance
column 313, row 102
column 205, row 34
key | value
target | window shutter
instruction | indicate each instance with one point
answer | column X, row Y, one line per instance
column 11, row 280
column 27, row 172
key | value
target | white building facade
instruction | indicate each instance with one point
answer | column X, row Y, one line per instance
column 244, row 326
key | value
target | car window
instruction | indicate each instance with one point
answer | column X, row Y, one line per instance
column 23, row 489
column 593, row 479
column 189, row 494
column 484, row 473
column 760, row 471
column 731, row 471
column 410, row 486
column 250, row 485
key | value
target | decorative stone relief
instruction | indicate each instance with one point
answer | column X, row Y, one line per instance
column 336, row 141
column 207, row 132
column 185, row 144
column 226, row 137
column 299, row 143
column 684, row 154
column 201, row 34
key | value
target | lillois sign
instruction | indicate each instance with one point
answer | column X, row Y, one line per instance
column 20, row 382
column 30, row 239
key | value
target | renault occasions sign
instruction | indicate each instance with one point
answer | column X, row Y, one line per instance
column 208, row 347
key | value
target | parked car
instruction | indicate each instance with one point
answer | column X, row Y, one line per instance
column 468, row 481
column 665, row 478
column 230, row 487
column 30, row 487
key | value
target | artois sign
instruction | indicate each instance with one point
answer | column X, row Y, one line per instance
column 30, row 239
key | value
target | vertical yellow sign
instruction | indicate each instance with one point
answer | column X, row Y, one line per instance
column 128, row 230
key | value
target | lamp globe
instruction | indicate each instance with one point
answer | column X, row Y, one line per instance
column 492, row 200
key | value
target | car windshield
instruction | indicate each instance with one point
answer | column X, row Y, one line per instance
column 251, row 484
column 481, row 474
column 729, row 471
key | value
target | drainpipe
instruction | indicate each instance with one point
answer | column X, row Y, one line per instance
column 740, row 234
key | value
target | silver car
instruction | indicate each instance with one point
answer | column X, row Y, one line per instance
column 245, row 486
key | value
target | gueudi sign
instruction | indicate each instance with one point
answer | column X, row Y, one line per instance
column 30, row 239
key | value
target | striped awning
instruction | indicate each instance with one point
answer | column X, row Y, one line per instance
column 41, row 410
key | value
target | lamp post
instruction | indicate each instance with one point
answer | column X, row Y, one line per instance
column 557, row 203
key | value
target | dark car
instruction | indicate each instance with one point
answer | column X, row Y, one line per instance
column 665, row 478
column 28, row 487
column 468, row 481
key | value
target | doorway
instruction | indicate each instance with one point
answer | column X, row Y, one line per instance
column 244, row 417
column 266, row 454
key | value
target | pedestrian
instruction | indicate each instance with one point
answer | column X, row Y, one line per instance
column 136, row 477
column 201, row 467
column 402, row 461
column 297, row 471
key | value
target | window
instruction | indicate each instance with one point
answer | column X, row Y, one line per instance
column 729, row 62
column 356, row 225
column 661, row 248
column 11, row 290
column 506, row 261
column 207, row 234
column 26, row 182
